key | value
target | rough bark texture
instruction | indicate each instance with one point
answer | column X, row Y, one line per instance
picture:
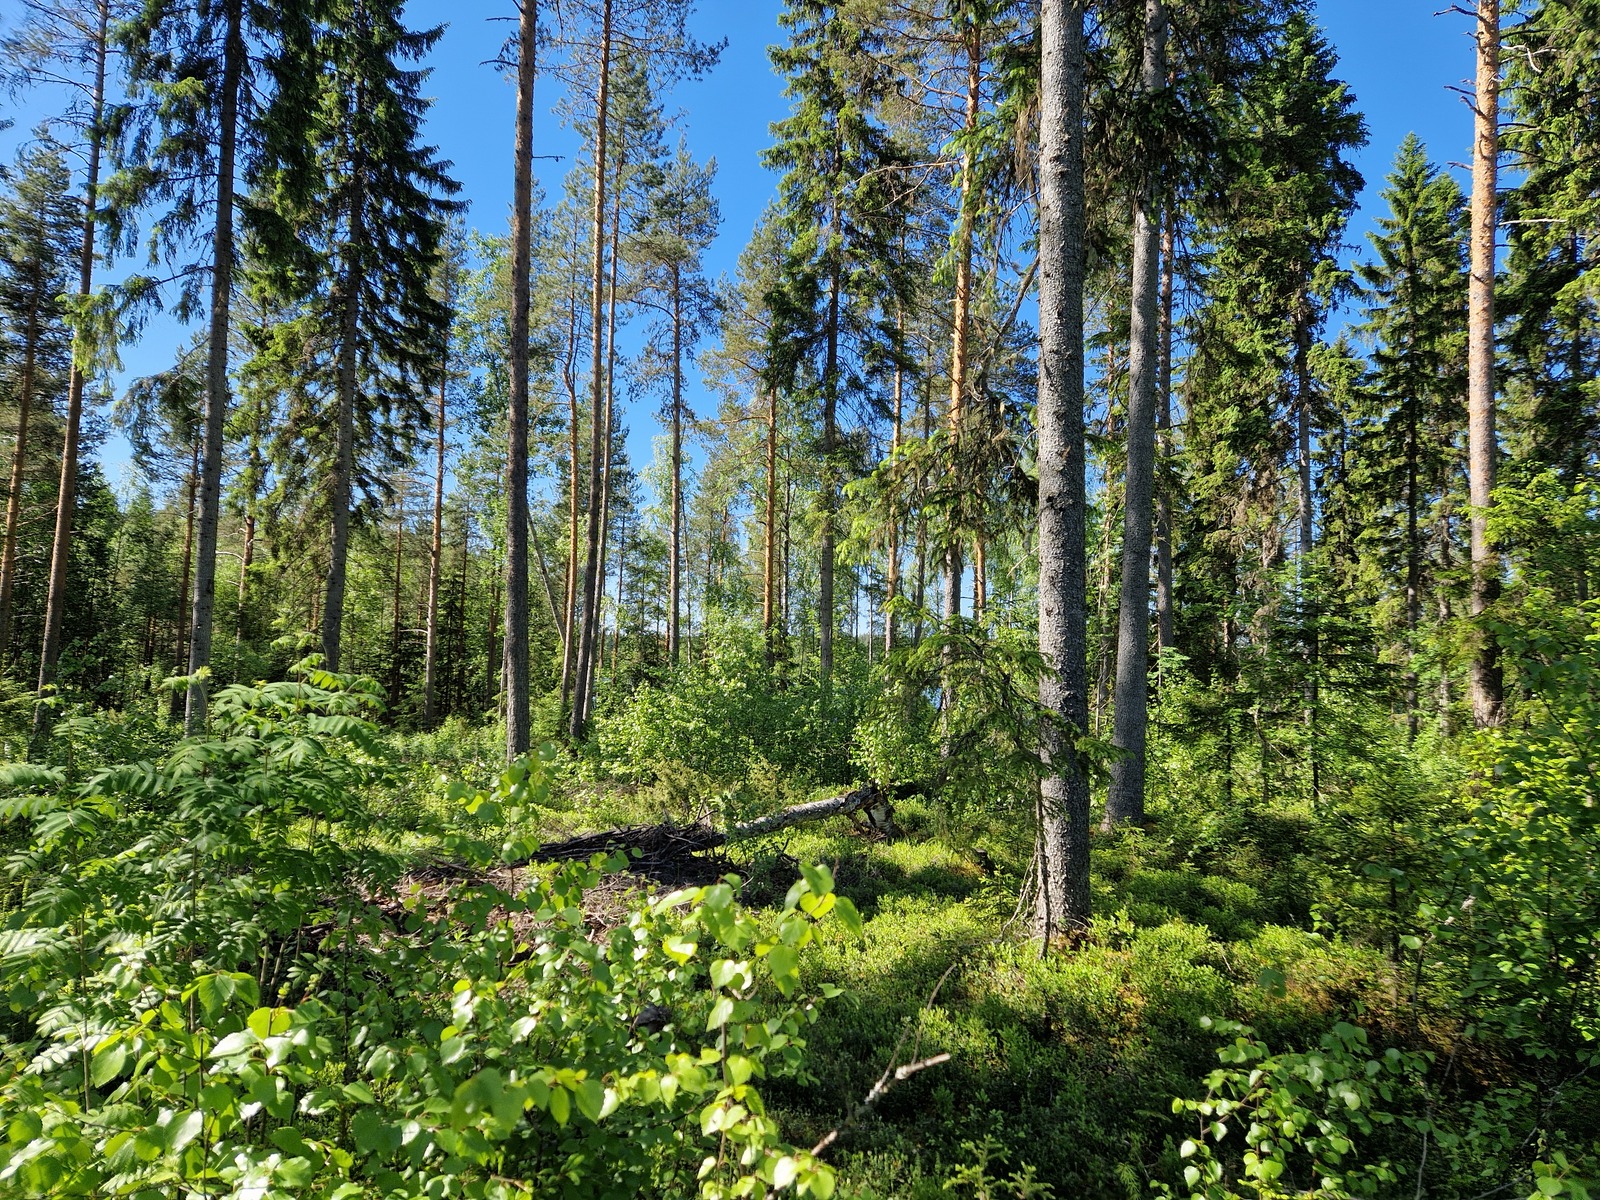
column 67, row 495
column 345, row 436
column 1063, row 846
column 1488, row 699
column 1125, row 799
column 1165, row 632
column 514, row 652
column 591, row 565
column 605, row 462
column 216, row 407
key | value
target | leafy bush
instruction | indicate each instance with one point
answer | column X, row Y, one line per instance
column 215, row 985
column 721, row 713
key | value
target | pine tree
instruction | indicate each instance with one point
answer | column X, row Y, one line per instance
column 680, row 222
column 40, row 230
column 1488, row 700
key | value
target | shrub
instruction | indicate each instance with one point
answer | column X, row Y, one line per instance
column 213, row 985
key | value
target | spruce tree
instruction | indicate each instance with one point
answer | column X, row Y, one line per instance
column 842, row 206
column 367, row 219
column 1407, row 451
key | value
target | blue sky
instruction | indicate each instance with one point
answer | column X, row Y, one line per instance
column 1399, row 58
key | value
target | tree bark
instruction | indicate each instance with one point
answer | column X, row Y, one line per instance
column 830, row 473
column 1488, row 693
column 953, row 566
column 1165, row 639
column 1130, row 718
column 514, row 651
column 216, row 408
column 19, row 462
column 591, row 566
column 769, row 555
column 1062, row 854
column 343, row 481
column 67, row 494
column 605, row 466
column 675, row 538
column 891, row 588
column 430, row 665
column 568, row 641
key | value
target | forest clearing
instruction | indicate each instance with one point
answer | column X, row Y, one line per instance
column 864, row 598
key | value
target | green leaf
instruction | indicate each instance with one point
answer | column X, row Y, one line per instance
column 849, row 917
column 560, row 1104
column 107, row 1063
column 590, row 1098
column 720, row 1012
column 819, row 877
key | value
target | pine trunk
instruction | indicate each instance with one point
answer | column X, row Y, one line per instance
column 591, row 566
column 1488, row 699
column 675, row 536
column 19, row 462
column 67, row 494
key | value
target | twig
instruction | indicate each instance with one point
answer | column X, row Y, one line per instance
column 892, row 1074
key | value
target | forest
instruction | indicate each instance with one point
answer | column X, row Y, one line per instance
column 1071, row 668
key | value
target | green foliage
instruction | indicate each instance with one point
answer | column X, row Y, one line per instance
column 723, row 714
column 214, row 984
column 1296, row 1117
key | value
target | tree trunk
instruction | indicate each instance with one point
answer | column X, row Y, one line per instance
column 891, row 588
column 830, row 476
column 1488, row 699
column 1164, row 611
column 1413, row 569
column 343, row 481
column 591, row 566
column 1130, row 718
column 182, row 638
column 769, row 549
column 430, row 665
column 1062, row 854
column 67, row 494
column 959, row 320
column 216, row 408
column 514, row 652
column 568, row 642
column 19, row 462
column 674, row 539
column 605, row 467
column 394, row 614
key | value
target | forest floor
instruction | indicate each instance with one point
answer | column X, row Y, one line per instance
column 1061, row 1068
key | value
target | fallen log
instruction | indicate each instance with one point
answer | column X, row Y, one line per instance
column 672, row 853
column 867, row 806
